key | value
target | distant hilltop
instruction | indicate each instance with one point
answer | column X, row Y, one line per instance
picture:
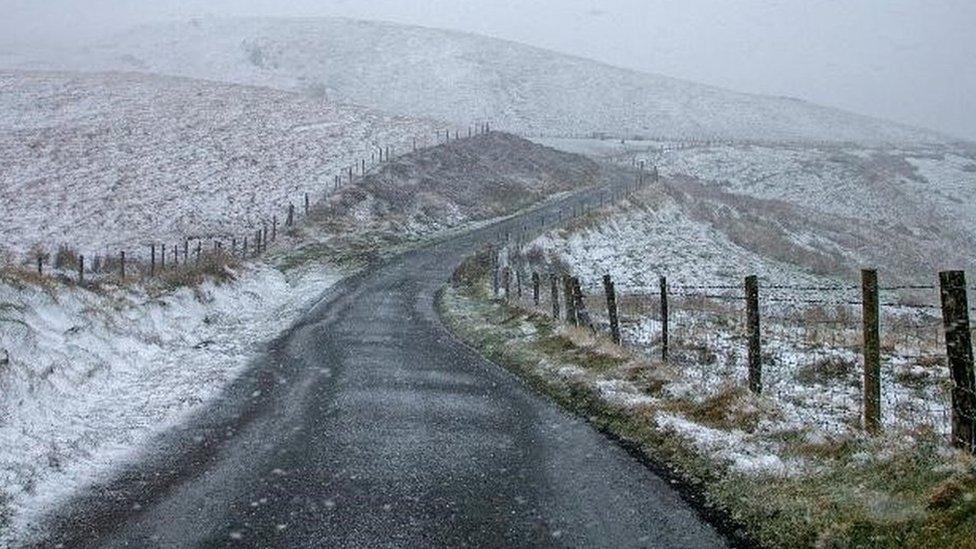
column 458, row 77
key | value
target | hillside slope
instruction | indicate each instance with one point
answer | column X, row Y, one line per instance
column 106, row 160
column 787, row 211
column 462, row 77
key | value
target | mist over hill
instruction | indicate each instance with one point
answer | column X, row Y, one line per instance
column 461, row 78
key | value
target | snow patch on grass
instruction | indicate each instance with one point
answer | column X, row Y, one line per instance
column 91, row 376
column 730, row 446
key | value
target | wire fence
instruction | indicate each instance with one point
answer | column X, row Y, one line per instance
column 186, row 254
column 811, row 341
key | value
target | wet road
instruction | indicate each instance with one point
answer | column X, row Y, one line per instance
column 366, row 425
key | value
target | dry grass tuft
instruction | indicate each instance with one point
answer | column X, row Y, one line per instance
column 593, row 342
column 828, row 370
column 21, row 277
column 649, row 376
column 731, row 407
column 218, row 266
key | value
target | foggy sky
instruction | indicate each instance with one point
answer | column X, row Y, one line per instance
column 906, row 60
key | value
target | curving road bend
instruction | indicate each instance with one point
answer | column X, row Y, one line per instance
column 368, row 425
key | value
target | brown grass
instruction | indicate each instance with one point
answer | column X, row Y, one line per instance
column 218, row 266
column 730, row 407
column 825, row 371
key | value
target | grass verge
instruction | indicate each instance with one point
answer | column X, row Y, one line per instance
column 773, row 487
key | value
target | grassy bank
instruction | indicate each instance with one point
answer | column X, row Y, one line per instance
column 777, row 487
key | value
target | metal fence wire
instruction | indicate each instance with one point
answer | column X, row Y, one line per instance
column 812, row 337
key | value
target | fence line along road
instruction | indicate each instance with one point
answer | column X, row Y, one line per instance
column 171, row 258
column 878, row 356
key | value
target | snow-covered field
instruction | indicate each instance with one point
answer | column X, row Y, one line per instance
column 459, row 78
column 107, row 162
column 89, row 377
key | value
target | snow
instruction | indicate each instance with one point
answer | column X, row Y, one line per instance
column 732, row 447
column 459, row 78
column 622, row 393
column 911, row 186
column 788, row 211
column 639, row 246
column 111, row 162
column 73, row 352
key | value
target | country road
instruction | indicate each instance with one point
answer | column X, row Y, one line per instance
column 367, row 424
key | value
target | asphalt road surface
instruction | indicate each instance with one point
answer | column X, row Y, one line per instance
column 368, row 425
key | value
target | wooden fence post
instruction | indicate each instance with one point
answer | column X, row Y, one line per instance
column 582, row 315
column 162, row 258
column 494, row 272
column 536, row 281
column 199, row 250
column 244, row 248
column 507, row 277
column 518, row 281
column 570, row 302
column 186, row 252
column 291, row 215
column 664, row 319
column 306, row 204
column 612, row 308
column 871, row 313
column 122, row 264
column 81, row 269
column 959, row 350
column 554, row 290
column 40, row 265
column 755, row 341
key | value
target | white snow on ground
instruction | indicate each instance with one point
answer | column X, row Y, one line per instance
column 733, row 446
column 458, row 77
column 89, row 377
column 622, row 393
column 643, row 244
column 106, row 162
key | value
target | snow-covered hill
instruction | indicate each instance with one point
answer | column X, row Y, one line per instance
column 104, row 161
column 787, row 212
column 461, row 77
